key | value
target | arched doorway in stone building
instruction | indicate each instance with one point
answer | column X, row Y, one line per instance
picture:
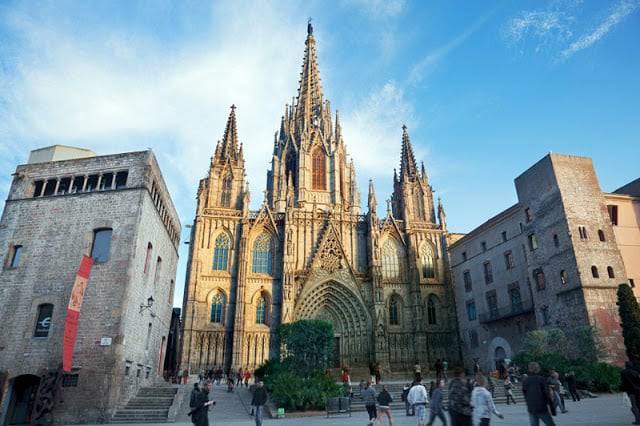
column 22, row 394
column 335, row 302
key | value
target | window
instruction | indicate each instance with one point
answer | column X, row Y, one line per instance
column 556, row 240
column 564, row 278
column 516, row 299
column 632, row 283
column 488, row 273
column 538, row 276
column 146, row 343
column 262, row 254
column 78, row 184
column 318, row 169
column 431, row 310
column 50, row 187
column 156, row 277
column 428, row 261
column 64, row 186
column 467, row 281
column 101, row 245
column 221, row 252
column 545, row 315
column 508, row 260
column 16, row 254
column 121, row 179
column 583, row 232
column 37, row 188
column 261, row 310
column 390, row 263
column 492, row 303
column 594, row 272
column 610, row 272
column 473, row 338
column 504, row 236
column 138, row 372
column 217, row 308
column 533, row 242
column 43, row 322
column 225, row 198
column 601, row 235
column 393, row 312
column 471, row 310
column 528, row 215
column 92, row 183
column 613, row 214
column 106, row 181
column 69, row 380
column 148, row 257
column 521, row 227
column 483, row 245
column 464, row 256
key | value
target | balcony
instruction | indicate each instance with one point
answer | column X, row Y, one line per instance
column 502, row 313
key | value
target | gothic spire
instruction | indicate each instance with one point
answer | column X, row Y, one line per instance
column 310, row 91
column 229, row 148
column 372, row 198
column 408, row 167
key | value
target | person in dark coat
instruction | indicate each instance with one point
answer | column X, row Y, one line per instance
column 631, row 385
column 539, row 397
column 258, row 401
column 459, row 400
column 199, row 404
column 384, row 405
column 572, row 385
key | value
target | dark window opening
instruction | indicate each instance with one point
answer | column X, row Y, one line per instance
column 583, row 232
column 471, row 310
column 564, row 278
column 488, row 273
column 467, row 281
column 613, row 214
column 69, row 380
column 393, row 313
column 127, row 369
column 464, row 256
column 92, row 183
column 121, row 179
column 37, row 188
column 533, row 242
column 43, row 323
column 601, row 235
column 50, row 187
column 516, row 299
column 545, row 315
column 78, row 183
column 556, row 240
column 65, row 186
column 105, row 182
column 594, row 272
column 527, row 213
column 484, row 246
column 101, row 245
column 492, row 303
column 538, row 276
column 504, row 236
column 508, row 260
column 15, row 257
column 632, row 283
column 610, row 272
column 147, row 257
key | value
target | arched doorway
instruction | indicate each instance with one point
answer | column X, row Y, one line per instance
column 499, row 356
column 336, row 303
column 23, row 396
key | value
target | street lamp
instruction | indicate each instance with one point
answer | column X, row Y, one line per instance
column 148, row 305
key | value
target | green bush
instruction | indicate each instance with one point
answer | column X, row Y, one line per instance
column 293, row 392
column 598, row 377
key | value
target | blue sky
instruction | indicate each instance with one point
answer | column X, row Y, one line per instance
column 486, row 88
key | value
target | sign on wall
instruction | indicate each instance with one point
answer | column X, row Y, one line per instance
column 73, row 312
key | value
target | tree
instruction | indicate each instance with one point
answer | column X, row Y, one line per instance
column 630, row 317
column 307, row 345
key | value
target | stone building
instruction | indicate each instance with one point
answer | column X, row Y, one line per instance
column 551, row 260
column 63, row 204
column 380, row 277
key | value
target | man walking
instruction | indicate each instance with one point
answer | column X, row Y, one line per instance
column 405, row 397
column 436, row 408
column 572, row 385
column 508, row 390
column 459, row 400
column 368, row 395
column 482, row 403
column 419, row 399
column 631, row 385
column 258, row 401
column 538, row 396
column 384, row 406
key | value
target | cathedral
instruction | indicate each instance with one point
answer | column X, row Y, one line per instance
column 380, row 277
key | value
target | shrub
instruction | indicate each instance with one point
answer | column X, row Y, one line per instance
column 598, row 377
column 308, row 345
column 630, row 317
column 293, row 392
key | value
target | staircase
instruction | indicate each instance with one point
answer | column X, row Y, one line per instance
column 395, row 390
column 150, row 405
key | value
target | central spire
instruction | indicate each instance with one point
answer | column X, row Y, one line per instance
column 229, row 147
column 310, row 91
column 408, row 167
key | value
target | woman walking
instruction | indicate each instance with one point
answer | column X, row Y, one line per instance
column 384, row 406
column 508, row 390
column 482, row 403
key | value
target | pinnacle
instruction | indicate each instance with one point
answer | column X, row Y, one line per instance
column 408, row 167
column 229, row 147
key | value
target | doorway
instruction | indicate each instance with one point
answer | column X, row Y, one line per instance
column 336, row 352
column 23, row 397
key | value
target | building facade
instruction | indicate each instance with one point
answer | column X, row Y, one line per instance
column 551, row 260
column 308, row 252
column 116, row 209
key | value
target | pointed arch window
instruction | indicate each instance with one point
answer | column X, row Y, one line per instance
column 432, row 318
column 394, row 318
column 428, row 261
column 261, row 310
column 217, row 308
column 318, row 169
column 390, row 261
column 225, row 198
column 262, row 255
column 221, row 252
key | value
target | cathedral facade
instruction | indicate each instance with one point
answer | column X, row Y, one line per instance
column 380, row 277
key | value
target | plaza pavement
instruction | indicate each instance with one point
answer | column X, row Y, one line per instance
column 233, row 409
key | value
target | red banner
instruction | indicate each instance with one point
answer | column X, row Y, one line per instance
column 73, row 312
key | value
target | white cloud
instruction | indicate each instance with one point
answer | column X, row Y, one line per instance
column 379, row 8
column 617, row 15
column 541, row 24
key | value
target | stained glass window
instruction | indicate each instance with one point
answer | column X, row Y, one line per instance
column 221, row 253
column 217, row 308
column 428, row 261
column 390, row 262
column 262, row 254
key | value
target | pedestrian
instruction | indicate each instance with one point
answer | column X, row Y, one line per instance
column 372, row 372
column 501, row 370
column 436, row 406
column 247, row 376
column 432, row 387
column 438, row 368
column 572, row 385
column 538, row 396
column 378, row 373
column 346, row 382
column 459, row 399
column 482, row 403
column 508, row 390
column 199, row 405
column 476, row 366
column 368, row 395
column 407, row 407
column 631, row 386
column 491, row 386
column 556, row 387
column 239, row 376
column 384, row 406
column 511, row 372
column 230, row 382
column 419, row 399
column 445, row 367
column 417, row 371
column 258, row 401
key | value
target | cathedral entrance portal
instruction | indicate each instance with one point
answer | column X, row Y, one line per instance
column 336, row 303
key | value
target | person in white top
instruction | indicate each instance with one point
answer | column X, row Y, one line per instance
column 482, row 403
column 419, row 398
